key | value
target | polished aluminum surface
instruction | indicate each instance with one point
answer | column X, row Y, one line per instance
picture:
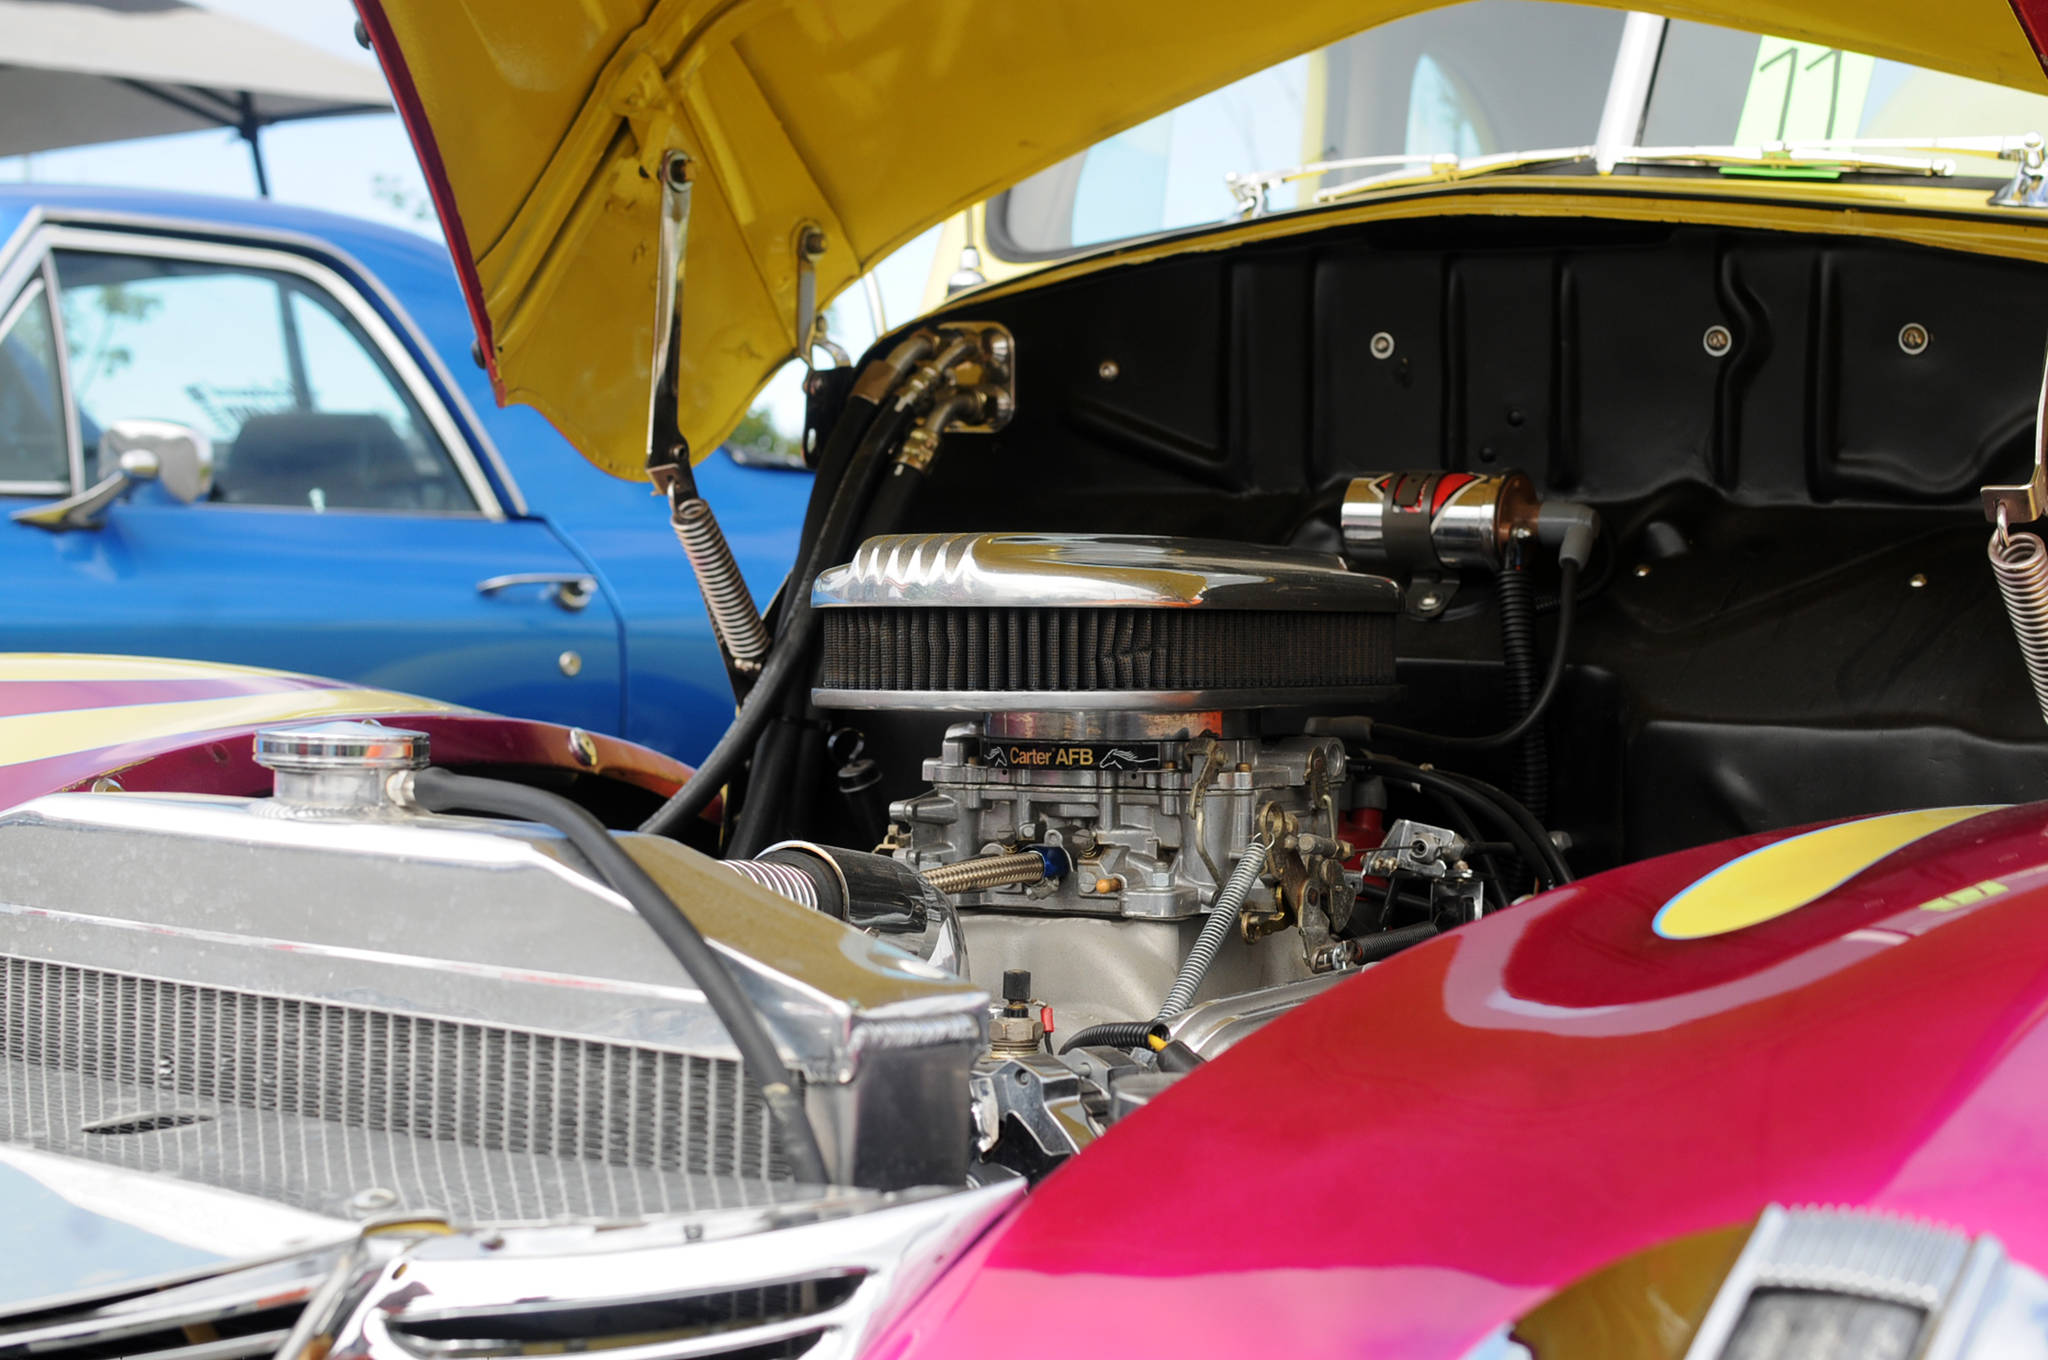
column 1435, row 520
column 572, row 591
column 78, row 1232
column 476, row 965
column 344, row 744
column 319, row 1107
column 1840, row 1252
column 1144, row 841
column 1211, row 1027
column 256, row 1303
column 830, row 1275
column 1096, row 570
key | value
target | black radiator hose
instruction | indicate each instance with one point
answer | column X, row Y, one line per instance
column 440, row 791
column 1516, row 598
column 789, row 658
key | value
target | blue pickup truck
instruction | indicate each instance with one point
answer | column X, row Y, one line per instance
column 368, row 511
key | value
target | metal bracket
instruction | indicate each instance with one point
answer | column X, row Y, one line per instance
column 2029, row 187
column 1429, row 594
column 2006, row 506
column 668, row 455
column 810, row 248
column 1043, row 1094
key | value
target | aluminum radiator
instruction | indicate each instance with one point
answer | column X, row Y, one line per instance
column 438, row 1013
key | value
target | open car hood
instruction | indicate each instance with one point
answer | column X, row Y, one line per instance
column 542, row 128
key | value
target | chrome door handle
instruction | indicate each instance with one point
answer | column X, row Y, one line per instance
column 572, row 590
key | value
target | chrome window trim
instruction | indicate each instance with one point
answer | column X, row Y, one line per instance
column 74, row 435
column 18, row 257
column 35, row 288
column 344, row 294
column 367, row 279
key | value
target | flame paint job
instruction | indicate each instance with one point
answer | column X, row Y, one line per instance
column 1430, row 1150
column 187, row 726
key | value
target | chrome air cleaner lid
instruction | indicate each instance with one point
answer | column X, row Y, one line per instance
column 1005, row 622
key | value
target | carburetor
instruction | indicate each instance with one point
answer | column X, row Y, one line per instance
column 1149, row 808
column 1118, row 687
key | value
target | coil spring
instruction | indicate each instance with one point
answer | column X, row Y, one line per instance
column 1223, row 914
column 785, row 879
column 989, row 871
column 733, row 617
column 2020, row 562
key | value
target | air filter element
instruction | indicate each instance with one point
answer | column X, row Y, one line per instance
column 1002, row 622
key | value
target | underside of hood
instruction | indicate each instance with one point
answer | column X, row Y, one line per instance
column 542, row 129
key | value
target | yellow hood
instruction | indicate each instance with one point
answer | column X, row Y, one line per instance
column 542, row 123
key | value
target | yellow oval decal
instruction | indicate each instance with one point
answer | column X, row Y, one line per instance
column 1788, row 874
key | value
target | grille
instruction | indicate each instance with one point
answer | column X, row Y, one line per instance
column 163, row 1070
column 1104, row 649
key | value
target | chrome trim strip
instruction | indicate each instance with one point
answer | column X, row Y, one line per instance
column 394, row 352
column 35, row 288
column 16, row 256
column 893, row 1245
column 74, row 436
column 369, row 282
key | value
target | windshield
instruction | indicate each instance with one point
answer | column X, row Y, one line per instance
column 1485, row 78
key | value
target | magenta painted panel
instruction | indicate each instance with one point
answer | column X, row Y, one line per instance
column 1433, row 1148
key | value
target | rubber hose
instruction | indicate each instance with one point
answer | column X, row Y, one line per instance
column 1568, row 584
column 898, row 488
column 794, row 744
column 790, row 655
column 1512, row 808
column 440, row 791
column 1527, row 834
column 1223, row 914
column 784, row 742
column 1115, row 1034
column 1517, row 600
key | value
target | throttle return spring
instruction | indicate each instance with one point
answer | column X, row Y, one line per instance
column 1223, row 914
column 2020, row 562
column 733, row 616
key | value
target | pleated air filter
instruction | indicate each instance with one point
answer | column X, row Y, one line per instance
column 1000, row 622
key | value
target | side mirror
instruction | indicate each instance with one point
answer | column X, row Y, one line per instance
column 176, row 457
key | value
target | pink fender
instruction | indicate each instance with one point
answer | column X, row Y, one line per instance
column 1435, row 1147
column 147, row 724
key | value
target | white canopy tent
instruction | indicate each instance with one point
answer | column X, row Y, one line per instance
column 78, row 72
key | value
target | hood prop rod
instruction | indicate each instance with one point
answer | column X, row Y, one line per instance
column 735, row 622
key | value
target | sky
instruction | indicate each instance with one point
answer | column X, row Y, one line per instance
column 365, row 167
